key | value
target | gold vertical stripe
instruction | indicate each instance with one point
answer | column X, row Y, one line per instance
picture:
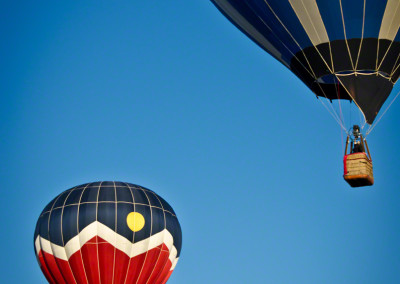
column 391, row 20
column 307, row 12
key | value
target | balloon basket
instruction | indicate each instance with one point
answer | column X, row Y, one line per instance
column 358, row 170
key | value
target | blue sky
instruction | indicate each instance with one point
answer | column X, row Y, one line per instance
column 176, row 99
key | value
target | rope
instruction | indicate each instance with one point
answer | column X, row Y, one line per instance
column 341, row 130
column 341, row 134
column 340, row 105
column 373, row 126
column 334, row 117
column 364, row 122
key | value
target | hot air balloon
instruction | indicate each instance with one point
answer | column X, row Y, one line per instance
column 341, row 49
column 107, row 232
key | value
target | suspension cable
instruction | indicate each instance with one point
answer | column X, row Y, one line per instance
column 373, row 126
column 340, row 106
column 334, row 115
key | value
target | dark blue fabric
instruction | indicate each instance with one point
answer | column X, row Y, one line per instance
column 154, row 201
column 61, row 200
column 124, row 194
column 90, row 194
column 374, row 11
column 244, row 10
column 166, row 206
column 174, row 228
column 75, row 196
column 69, row 223
column 139, row 196
column 282, row 13
column 107, row 193
column 106, row 214
column 87, row 215
column 55, row 226
column 332, row 18
column 43, row 225
column 353, row 16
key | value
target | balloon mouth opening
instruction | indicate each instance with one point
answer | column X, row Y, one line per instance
column 333, row 78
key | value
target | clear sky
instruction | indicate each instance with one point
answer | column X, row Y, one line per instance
column 171, row 96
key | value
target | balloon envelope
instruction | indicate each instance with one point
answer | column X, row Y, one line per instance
column 108, row 232
column 346, row 49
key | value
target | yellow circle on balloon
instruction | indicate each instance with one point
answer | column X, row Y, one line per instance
column 135, row 221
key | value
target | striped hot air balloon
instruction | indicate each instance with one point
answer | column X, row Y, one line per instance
column 107, row 232
column 341, row 49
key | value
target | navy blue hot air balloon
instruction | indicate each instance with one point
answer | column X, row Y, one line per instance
column 108, row 232
column 341, row 49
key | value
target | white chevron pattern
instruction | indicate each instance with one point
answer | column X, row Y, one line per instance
column 121, row 243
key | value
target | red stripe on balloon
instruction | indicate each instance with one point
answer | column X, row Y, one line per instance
column 76, row 263
column 106, row 260
column 121, row 267
column 90, row 261
column 44, row 268
column 51, row 264
column 165, row 273
column 163, row 259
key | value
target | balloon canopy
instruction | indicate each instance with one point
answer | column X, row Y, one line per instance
column 341, row 49
column 108, row 232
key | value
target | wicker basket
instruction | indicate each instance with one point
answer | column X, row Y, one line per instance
column 358, row 170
